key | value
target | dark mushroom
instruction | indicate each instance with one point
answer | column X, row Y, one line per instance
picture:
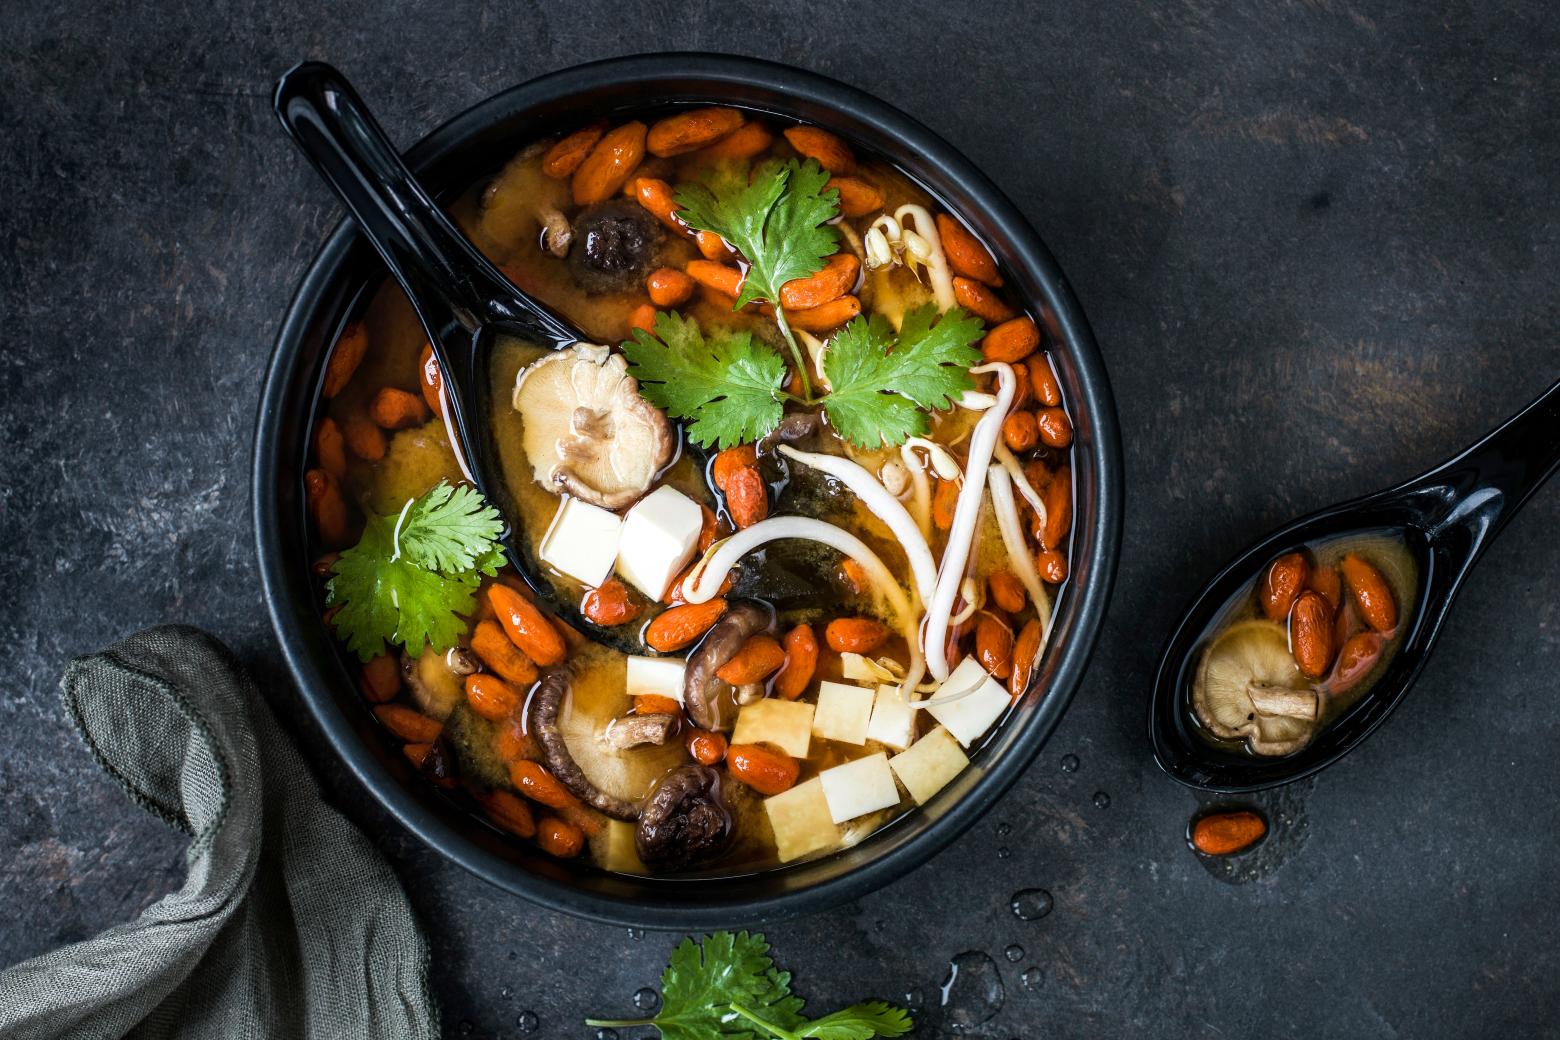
column 633, row 731
column 793, row 427
column 545, row 706
column 614, row 246
column 684, row 820
column 710, row 701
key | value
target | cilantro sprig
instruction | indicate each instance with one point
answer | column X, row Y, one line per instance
column 728, row 988
column 414, row 574
column 778, row 220
column 730, row 387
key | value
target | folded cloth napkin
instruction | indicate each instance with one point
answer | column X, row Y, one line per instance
column 290, row 924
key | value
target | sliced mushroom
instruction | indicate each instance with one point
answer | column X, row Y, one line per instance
column 546, row 703
column 685, row 820
column 435, row 684
column 586, row 430
column 614, row 248
column 632, row 731
column 1248, row 686
column 710, row 701
column 793, row 427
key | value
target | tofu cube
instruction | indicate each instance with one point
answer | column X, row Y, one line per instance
column 801, row 821
column 930, row 763
column 582, row 541
column 842, row 713
column 892, row 722
column 785, row 724
column 971, row 715
column 662, row 676
column 660, row 534
column 617, row 851
column 858, row 787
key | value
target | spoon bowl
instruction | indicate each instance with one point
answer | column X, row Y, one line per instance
column 1447, row 517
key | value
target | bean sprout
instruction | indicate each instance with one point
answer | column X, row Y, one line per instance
column 709, row 573
column 1016, row 471
column 449, row 431
column 891, row 240
column 886, row 507
column 961, row 536
column 1019, row 559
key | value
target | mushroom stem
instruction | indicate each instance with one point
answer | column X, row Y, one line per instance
column 961, row 535
column 1281, row 700
column 886, row 507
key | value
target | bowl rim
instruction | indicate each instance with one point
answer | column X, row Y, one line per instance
column 1087, row 605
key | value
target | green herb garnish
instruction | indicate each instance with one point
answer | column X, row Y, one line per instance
column 728, row 988
column 778, row 221
column 729, row 386
column 879, row 382
column 414, row 574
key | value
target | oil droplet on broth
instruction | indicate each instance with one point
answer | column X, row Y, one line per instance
column 1070, row 763
column 527, row 1022
column 972, row 993
column 1014, row 953
column 646, row 999
column 1031, row 904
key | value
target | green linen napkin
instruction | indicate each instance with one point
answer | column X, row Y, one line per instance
column 289, row 924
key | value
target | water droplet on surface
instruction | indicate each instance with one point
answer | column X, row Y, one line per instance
column 606, row 1034
column 1031, row 904
column 1101, row 800
column 1004, row 829
column 646, row 999
column 972, row 993
column 1014, row 953
column 506, row 993
column 636, row 934
column 914, row 998
column 514, row 955
column 467, row 1026
column 1069, row 763
column 1031, row 978
column 527, row 1021
column 1004, row 852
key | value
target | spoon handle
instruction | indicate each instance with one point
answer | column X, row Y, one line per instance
column 448, row 280
column 1482, row 488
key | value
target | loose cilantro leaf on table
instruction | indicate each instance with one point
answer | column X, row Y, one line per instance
column 727, row 988
column 879, row 383
column 727, row 385
column 777, row 221
column 414, row 573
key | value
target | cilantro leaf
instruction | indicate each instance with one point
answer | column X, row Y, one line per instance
column 728, row 385
column 777, row 221
column 860, row 1022
column 880, row 383
column 449, row 527
column 722, row 988
column 412, row 577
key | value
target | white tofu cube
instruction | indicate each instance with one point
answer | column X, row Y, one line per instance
column 785, row 724
column 858, row 787
column 842, row 713
column 662, row 676
column 971, row 715
column 930, row 763
column 615, row 849
column 892, row 722
column 660, row 535
column 582, row 541
column 801, row 821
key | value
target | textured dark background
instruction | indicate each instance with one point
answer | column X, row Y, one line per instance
column 1317, row 242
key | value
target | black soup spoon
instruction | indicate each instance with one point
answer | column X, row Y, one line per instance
column 1447, row 517
column 463, row 301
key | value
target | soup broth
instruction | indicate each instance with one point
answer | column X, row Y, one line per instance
column 836, row 594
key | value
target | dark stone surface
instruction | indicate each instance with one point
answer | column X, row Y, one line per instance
column 1317, row 242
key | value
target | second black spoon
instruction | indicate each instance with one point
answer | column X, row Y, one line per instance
column 1447, row 517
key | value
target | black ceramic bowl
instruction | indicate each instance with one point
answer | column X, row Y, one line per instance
column 474, row 145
